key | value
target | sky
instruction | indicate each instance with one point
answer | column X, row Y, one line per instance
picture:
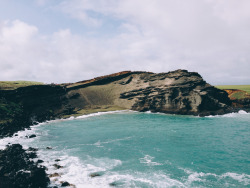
column 58, row 41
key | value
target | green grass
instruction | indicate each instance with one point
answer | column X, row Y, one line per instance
column 238, row 95
column 8, row 111
column 240, row 87
column 9, row 85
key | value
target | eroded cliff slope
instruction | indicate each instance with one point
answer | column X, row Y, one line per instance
column 179, row 92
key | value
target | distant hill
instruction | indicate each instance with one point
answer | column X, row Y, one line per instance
column 9, row 85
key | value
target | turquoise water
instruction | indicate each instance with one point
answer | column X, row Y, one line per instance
column 131, row 149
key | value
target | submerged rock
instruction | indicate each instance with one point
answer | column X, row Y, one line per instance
column 40, row 161
column 65, row 184
column 31, row 136
column 57, row 166
column 95, row 174
column 113, row 184
column 32, row 149
column 54, row 175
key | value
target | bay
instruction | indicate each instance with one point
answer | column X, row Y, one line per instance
column 132, row 149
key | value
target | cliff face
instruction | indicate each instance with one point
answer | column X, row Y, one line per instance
column 179, row 92
column 23, row 106
column 239, row 98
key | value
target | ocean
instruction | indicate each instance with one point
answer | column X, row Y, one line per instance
column 133, row 149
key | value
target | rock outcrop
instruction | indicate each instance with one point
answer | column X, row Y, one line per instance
column 24, row 106
column 17, row 170
column 240, row 99
column 179, row 92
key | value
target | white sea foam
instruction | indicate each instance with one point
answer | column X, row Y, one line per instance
column 20, row 137
column 147, row 159
column 101, row 144
column 101, row 113
column 200, row 176
column 240, row 113
column 244, row 178
column 76, row 171
column 139, row 179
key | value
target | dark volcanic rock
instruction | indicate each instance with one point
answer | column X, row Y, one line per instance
column 54, row 175
column 65, row 184
column 29, row 105
column 178, row 92
column 31, row 136
column 242, row 103
column 32, row 149
column 57, row 166
column 18, row 171
column 40, row 161
column 95, row 174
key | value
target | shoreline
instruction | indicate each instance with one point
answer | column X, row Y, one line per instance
column 32, row 128
column 31, row 170
column 18, row 168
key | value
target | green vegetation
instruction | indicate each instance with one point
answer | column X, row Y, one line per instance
column 239, row 87
column 241, row 91
column 239, row 95
column 8, row 110
column 9, row 85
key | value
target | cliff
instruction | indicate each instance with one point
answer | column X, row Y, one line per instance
column 19, row 108
column 239, row 98
column 178, row 92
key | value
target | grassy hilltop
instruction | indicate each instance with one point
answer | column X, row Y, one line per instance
column 10, row 85
column 236, row 91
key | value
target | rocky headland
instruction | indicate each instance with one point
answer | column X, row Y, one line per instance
column 176, row 92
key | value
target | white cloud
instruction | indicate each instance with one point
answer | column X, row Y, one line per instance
column 41, row 2
column 78, row 11
column 210, row 37
column 22, row 32
column 232, row 11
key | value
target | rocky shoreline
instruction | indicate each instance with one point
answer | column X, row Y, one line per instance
column 176, row 92
column 17, row 168
column 22, row 168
